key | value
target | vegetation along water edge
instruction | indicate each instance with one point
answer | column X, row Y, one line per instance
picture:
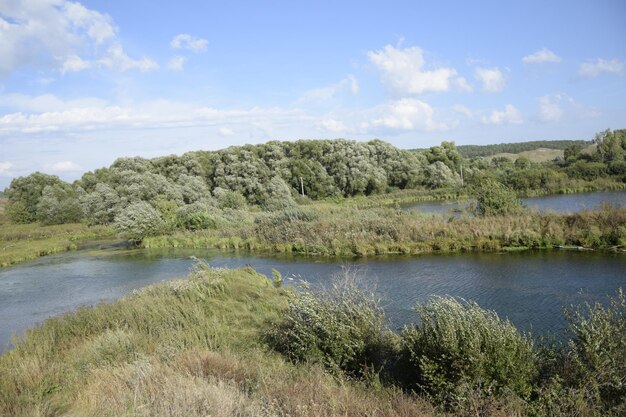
column 233, row 342
column 326, row 197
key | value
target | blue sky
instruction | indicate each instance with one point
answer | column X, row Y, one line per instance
column 82, row 83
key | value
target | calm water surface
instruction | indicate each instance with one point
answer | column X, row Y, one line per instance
column 530, row 288
column 558, row 203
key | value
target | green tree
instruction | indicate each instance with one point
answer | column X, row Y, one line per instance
column 611, row 145
column 100, row 206
column 279, row 195
column 439, row 175
column 24, row 194
column 58, row 204
column 137, row 221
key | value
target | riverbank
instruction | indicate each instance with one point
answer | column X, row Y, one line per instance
column 335, row 230
column 360, row 226
column 24, row 242
column 229, row 342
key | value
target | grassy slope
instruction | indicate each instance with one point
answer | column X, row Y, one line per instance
column 190, row 347
column 22, row 242
column 536, row 155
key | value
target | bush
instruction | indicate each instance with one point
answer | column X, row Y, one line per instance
column 137, row 221
column 229, row 199
column 494, row 198
column 340, row 327
column 596, row 357
column 459, row 348
column 278, row 195
column 196, row 216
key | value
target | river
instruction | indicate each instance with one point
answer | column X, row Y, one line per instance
column 530, row 288
column 564, row 203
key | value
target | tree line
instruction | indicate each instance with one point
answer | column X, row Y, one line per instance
column 182, row 191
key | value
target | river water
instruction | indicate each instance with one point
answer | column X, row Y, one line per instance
column 566, row 203
column 530, row 288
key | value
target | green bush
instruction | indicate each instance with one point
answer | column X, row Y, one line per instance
column 458, row 348
column 494, row 198
column 340, row 327
column 196, row 216
column 596, row 354
column 137, row 221
column 228, row 199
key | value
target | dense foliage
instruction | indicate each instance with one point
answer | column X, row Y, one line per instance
column 191, row 191
column 457, row 348
column 461, row 357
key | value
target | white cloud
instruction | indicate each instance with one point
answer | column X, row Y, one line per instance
column 464, row 110
column 224, row 131
column 332, row 125
column 99, row 27
column 64, row 166
column 406, row 114
column 74, row 63
column 46, row 102
column 510, row 115
column 116, row 58
column 559, row 107
column 463, row 85
column 403, row 70
column 350, row 83
column 599, row 66
column 177, row 63
column 90, row 115
column 492, row 79
column 60, row 35
column 541, row 56
column 550, row 109
column 185, row 41
column 4, row 168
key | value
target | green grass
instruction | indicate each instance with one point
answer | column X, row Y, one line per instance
column 536, row 155
column 346, row 230
column 23, row 242
column 199, row 346
column 191, row 347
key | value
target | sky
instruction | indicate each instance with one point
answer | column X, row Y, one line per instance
column 83, row 83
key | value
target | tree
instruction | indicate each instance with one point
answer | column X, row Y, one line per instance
column 278, row 195
column 611, row 145
column 439, row 175
column 100, row 206
column 58, row 204
column 137, row 221
column 24, row 194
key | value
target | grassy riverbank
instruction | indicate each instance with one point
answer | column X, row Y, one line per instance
column 228, row 342
column 185, row 348
column 23, row 242
column 360, row 226
column 328, row 229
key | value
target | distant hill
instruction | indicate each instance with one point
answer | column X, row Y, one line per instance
column 473, row 151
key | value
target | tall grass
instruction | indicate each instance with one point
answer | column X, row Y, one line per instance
column 332, row 230
column 192, row 347
column 21, row 242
